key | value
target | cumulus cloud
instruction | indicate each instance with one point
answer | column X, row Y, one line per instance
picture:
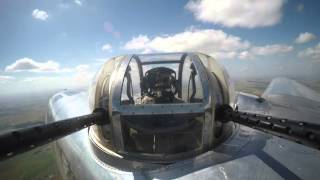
column 6, row 78
column 79, row 76
column 66, row 4
column 40, row 14
column 305, row 37
column 271, row 49
column 246, row 55
column 224, row 54
column 39, row 78
column 27, row 64
column 311, row 53
column 80, row 72
column 235, row 13
column 208, row 41
column 137, row 43
column 106, row 47
column 78, row 2
column 82, row 75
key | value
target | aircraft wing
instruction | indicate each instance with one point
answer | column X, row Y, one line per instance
column 283, row 98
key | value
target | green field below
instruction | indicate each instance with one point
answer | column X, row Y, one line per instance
column 37, row 164
column 21, row 112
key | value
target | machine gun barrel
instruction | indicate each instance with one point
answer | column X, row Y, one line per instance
column 304, row 133
column 19, row 141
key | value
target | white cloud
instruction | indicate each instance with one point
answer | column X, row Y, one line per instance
column 246, row 55
column 66, row 4
column 27, row 64
column 82, row 76
column 271, row 49
column 39, row 78
column 137, row 43
column 79, row 77
column 82, row 67
column 266, row 50
column 30, row 65
column 305, row 37
column 78, row 2
column 210, row 41
column 40, row 14
column 106, row 47
column 224, row 55
column 311, row 53
column 6, row 78
column 235, row 13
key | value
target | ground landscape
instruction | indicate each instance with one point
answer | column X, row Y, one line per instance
column 21, row 111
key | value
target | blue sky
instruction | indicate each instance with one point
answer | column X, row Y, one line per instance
column 61, row 43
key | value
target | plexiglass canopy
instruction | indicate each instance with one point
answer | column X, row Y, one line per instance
column 159, row 104
column 158, row 79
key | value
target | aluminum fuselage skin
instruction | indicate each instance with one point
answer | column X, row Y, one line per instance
column 246, row 154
